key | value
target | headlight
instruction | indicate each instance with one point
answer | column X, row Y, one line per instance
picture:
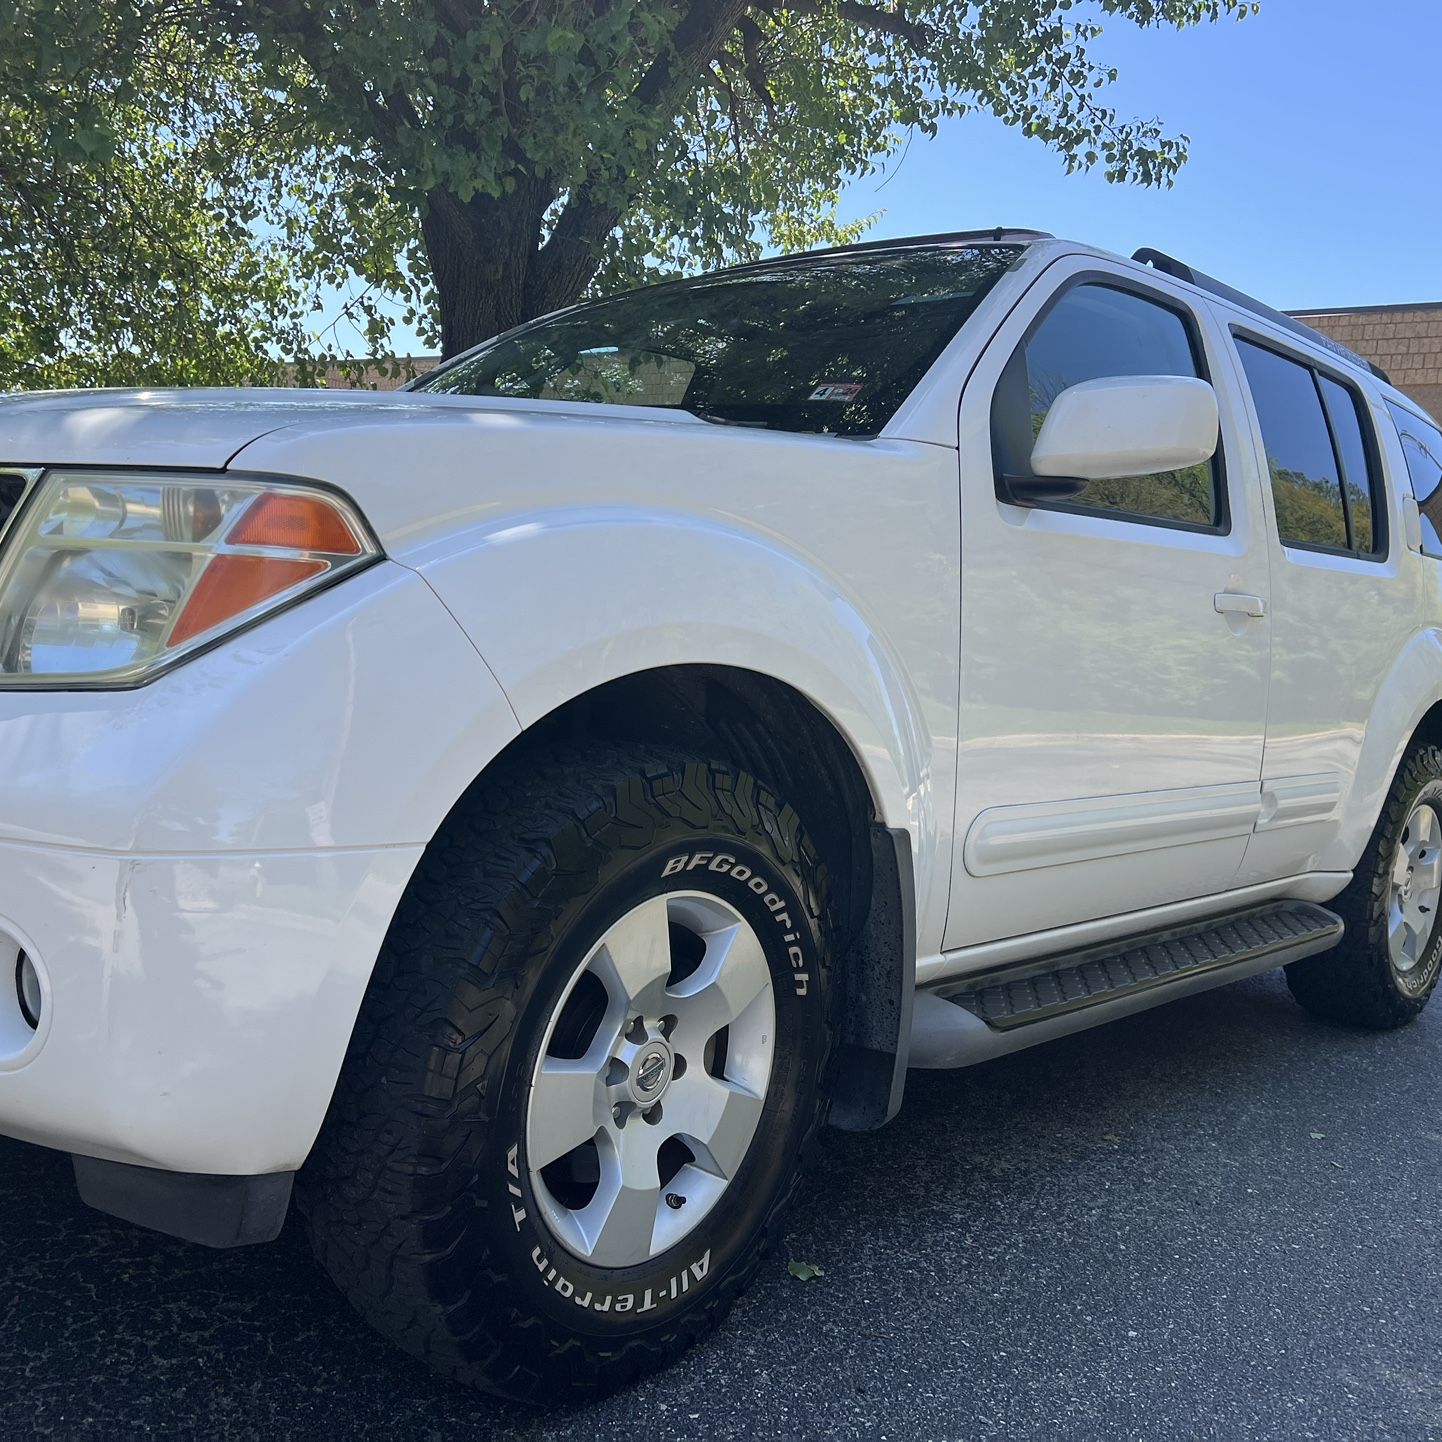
column 110, row 577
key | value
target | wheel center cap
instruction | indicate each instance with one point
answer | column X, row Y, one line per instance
column 650, row 1072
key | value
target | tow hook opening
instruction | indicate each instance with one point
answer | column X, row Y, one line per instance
column 25, row 1001
column 27, row 991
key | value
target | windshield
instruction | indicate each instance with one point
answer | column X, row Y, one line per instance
column 832, row 344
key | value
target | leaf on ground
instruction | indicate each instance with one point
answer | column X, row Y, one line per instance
column 1318, row 1136
column 804, row 1271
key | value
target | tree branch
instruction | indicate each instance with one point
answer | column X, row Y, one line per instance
column 916, row 33
column 751, row 42
column 570, row 255
column 699, row 34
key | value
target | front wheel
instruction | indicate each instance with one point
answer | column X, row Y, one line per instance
column 1385, row 969
column 586, row 1074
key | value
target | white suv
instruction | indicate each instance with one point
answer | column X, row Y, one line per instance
column 520, row 811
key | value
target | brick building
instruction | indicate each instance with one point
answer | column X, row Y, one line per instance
column 375, row 379
column 1405, row 340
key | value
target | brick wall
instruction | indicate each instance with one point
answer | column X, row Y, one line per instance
column 416, row 365
column 1405, row 340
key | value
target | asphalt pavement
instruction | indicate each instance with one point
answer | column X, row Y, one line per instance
column 1216, row 1220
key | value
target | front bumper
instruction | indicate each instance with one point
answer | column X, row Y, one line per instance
column 195, row 1009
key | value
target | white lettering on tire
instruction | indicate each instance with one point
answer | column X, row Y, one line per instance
column 670, row 1290
column 723, row 865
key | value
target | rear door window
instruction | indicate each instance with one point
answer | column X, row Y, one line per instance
column 1323, row 475
column 1344, row 410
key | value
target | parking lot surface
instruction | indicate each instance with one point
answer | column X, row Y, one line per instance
column 1219, row 1219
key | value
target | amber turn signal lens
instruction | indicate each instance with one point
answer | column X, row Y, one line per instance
column 297, row 523
column 231, row 585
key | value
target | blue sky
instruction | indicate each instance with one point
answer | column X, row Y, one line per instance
column 1315, row 175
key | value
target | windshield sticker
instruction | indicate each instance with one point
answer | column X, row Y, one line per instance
column 836, row 391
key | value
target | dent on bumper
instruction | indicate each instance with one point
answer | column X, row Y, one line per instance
column 197, row 1008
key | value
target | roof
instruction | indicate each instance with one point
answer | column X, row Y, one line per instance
column 1394, row 309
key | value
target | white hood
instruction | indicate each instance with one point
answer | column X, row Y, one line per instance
column 207, row 428
column 415, row 462
column 200, row 428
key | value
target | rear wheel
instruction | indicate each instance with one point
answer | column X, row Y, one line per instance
column 1386, row 967
column 586, row 1074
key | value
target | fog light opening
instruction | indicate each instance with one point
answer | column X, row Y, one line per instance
column 27, row 990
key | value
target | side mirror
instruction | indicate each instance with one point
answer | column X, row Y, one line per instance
column 1120, row 426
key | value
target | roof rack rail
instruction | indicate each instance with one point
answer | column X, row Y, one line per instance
column 994, row 234
column 1169, row 265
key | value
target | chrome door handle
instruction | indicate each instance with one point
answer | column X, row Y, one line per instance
column 1234, row 603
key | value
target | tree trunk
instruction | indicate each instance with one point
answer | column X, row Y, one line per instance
column 491, row 270
column 483, row 257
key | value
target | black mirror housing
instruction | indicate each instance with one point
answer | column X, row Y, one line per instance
column 1039, row 490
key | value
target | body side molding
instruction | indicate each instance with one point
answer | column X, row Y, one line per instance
column 1054, row 833
column 1292, row 800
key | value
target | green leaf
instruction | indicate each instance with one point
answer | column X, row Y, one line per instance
column 181, row 185
column 804, row 1271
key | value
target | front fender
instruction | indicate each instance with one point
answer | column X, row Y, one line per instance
column 576, row 549
column 561, row 602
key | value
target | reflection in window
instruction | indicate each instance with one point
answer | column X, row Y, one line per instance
column 1344, row 410
column 1306, row 489
column 620, row 377
column 1092, row 332
column 832, row 343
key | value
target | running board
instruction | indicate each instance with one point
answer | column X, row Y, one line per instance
column 980, row 1017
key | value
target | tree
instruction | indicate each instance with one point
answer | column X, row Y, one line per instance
column 484, row 161
column 115, row 262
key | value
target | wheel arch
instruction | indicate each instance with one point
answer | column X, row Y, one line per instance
column 771, row 729
column 1407, row 712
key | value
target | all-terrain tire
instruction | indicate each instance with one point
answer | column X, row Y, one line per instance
column 1357, row 983
column 417, row 1195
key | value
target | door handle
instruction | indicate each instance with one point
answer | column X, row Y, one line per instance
column 1234, row 603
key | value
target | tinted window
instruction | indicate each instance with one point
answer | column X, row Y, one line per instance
column 1092, row 332
column 1306, row 488
column 1422, row 444
column 1344, row 410
column 832, row 344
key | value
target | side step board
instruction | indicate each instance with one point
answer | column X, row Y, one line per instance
column 980, row 1017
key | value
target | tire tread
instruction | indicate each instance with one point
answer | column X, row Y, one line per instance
column 1352, row 984
column 383, row 1195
